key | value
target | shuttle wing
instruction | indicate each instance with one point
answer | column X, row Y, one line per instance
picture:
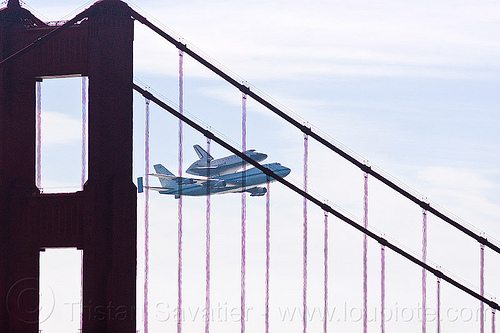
column 205, row 168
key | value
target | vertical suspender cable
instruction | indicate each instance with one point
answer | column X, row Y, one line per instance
column 84, row 129
column 146, row 220
column 438, row 310
column 207, row 244
column 492, row 320
column 325, row 280
column 39, row 134
column 304, row 254
column 481, row 288
column 424, row 271
column 179, row 204
column 382, row 288
column 84, row 172
column 243, row 209
column 365, row 256
column 268, row 250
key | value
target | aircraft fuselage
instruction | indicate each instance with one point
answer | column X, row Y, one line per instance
column 248, row 180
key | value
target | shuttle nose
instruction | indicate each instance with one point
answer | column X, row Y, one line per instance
column 285, row 171
column 259, row 157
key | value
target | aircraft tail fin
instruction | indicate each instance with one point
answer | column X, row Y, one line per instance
column 167, row 183
column 202, row 154
column 159, row 168
column 140, row 185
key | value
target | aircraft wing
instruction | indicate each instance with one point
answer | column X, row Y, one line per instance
column 158, row 188
column 235, row 181
column 212, row 182
column 179, row 180
column 159, row 175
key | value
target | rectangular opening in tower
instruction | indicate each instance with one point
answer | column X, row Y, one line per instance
column 61, row 134
column 61, row 281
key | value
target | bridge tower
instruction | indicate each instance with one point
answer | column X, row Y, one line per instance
column 101, row 220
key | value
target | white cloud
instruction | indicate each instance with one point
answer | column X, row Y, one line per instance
column 468, row 193
column 455, row 179
column 58, row 128
column 284, row 40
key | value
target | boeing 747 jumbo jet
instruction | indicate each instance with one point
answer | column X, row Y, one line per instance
column 229, row 183
column 206, row 166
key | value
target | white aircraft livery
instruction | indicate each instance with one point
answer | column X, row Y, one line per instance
column 243, row 181
column 207, row 166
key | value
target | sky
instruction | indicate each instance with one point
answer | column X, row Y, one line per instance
column 409, row 87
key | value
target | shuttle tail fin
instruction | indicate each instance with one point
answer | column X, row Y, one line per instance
column 202, row 154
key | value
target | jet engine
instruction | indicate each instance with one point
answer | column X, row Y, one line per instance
column 186, row 181
column 257, row 191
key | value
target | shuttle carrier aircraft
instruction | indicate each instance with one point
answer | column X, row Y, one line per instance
column 243, row 181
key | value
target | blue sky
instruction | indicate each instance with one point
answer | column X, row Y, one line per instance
column 410, row 87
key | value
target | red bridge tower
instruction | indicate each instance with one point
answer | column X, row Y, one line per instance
column 101, row 220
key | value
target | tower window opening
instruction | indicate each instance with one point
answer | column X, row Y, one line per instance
column 60, row 283
column 61, row 153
